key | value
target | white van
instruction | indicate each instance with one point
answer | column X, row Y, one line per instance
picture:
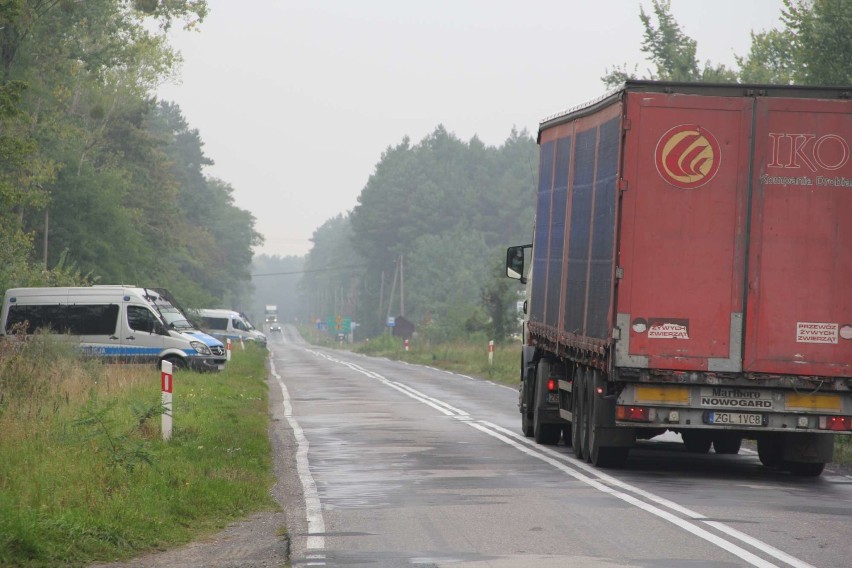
column 228, row 324
column 121, row 323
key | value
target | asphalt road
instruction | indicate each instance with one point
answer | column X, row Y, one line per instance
column 402, row 465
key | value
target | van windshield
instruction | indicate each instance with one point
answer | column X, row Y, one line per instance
column 173, row 316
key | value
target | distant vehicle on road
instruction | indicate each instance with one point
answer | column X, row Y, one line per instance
column 271, row 313
column 275, row 327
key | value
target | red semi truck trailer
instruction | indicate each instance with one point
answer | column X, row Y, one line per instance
column 691, row 271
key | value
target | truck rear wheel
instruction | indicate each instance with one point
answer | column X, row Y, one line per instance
column 578, row 429
column 598, row 454
column 545, row 433
column 805, row 469
column 727, row 443
column 567, row 435
column 527, row 399
column 696, row 442
column 527, row 424
column 770, row 451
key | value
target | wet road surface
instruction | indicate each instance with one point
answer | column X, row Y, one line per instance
column 403, row 465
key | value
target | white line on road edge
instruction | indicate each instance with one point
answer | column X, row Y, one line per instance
column 610, row 480
column 603, row 482
column 313, row 507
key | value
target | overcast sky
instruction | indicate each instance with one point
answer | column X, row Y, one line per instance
column 296, row 101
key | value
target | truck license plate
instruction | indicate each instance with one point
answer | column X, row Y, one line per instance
column 553, row 397
column 735, row 418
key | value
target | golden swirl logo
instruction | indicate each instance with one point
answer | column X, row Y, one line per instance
column 687, row 156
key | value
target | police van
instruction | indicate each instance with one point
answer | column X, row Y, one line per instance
column 119, row 323
column 228, row 324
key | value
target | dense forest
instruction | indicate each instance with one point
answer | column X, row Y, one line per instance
column 99, row 181
column 433, row 222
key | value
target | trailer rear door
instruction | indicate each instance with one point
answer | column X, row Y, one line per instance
column 686, row 168
column 799, row 300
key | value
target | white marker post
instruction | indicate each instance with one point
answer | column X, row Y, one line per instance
column 491, row 353
column 406, row 345
column 228, row 349
column 166, row 379
column 242, row 343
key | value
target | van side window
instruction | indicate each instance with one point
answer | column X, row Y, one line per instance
column 94, row 319
column 140, row 318
column 238, row 324
column 214, row 323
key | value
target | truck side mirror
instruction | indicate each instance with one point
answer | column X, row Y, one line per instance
column 515, row 257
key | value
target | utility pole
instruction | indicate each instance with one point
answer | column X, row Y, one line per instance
column 401, row 288
column 46, row 230
column 381, row 295
column 393, row 289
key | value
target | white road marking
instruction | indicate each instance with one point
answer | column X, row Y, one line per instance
column 599, row 480
column 313, row 506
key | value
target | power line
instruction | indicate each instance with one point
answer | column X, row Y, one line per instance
column 308, row 271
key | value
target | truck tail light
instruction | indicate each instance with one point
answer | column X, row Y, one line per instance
column 836, row 423
column 632, row 413
column 551, row 385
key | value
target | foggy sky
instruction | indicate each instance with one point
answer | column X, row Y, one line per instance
column 296, row 101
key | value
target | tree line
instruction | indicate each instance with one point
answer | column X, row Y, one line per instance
column 436, row 216
column 99, row 181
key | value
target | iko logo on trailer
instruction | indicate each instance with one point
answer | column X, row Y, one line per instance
column 687, row 156
column 794, row 151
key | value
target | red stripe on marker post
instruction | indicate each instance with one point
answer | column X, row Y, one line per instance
column 167, row 382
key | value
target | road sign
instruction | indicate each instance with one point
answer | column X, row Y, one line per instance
column 339, row 324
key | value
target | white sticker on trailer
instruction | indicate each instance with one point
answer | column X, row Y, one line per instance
column 668, row 330
column 815, row 332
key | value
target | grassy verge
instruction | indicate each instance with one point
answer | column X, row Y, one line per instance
column 464, row 357
column 843, row 450
column 85, row 475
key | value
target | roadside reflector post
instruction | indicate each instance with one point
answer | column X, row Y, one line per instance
column 227, row 350
column 406, row 344
column 490, row 352
column 166, row 377
column 242, row 343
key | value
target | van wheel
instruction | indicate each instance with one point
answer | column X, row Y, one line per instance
column 177, row 362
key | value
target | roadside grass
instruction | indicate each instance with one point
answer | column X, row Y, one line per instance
column 463, row 357
column 843, row 450
column 469, row 358
column 84, row 473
